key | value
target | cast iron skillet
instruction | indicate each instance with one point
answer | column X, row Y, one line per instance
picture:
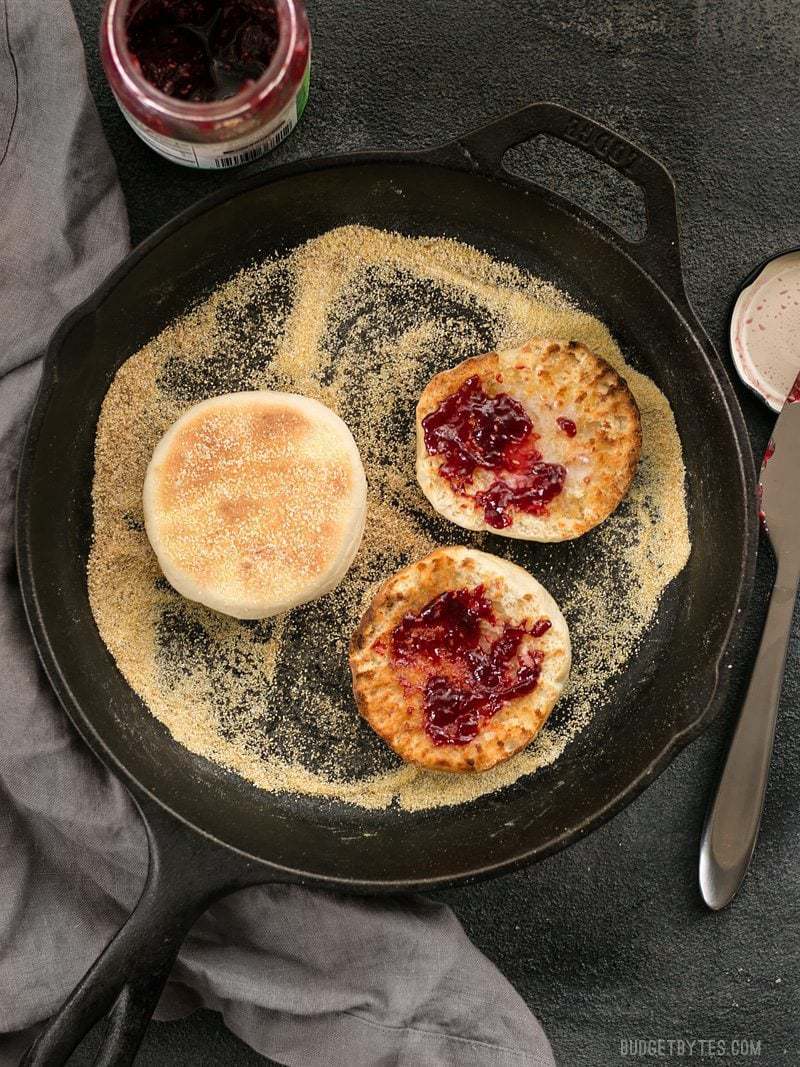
column 211, row 832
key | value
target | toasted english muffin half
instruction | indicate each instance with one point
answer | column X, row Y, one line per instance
column 567, row 474
column 255, row 502
column 459, row 659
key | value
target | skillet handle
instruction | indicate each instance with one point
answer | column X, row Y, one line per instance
column 658, row 252
column 185, row 875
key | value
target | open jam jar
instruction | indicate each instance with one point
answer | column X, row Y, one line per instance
column 210, row 84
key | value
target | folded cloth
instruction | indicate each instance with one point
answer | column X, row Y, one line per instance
column 307, row 978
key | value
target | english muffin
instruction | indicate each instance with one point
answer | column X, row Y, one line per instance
column 459, row 659
column 255, row 502
column 539, row 442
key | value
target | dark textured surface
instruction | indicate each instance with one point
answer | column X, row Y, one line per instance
column 609, row 940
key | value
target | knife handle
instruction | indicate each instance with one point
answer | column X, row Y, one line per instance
column 734, row 816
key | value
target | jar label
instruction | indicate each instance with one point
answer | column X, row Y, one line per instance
column 231, row 153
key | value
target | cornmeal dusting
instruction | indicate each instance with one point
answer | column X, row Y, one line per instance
column 360, row 319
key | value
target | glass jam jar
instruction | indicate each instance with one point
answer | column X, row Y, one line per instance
column 223, row 105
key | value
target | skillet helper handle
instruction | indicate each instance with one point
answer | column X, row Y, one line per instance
column 186, row 874
column 734, row 817
column 658, row 252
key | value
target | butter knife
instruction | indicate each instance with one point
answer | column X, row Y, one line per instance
column 734, row 816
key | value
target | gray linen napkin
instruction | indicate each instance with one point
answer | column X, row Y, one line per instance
column 308, row 978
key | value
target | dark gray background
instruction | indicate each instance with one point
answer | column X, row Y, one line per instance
column 608, row 940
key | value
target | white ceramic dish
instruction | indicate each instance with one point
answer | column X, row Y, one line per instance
column 765, row 329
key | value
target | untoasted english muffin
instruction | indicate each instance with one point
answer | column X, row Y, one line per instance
column 255, row 502
column 459, row 659
column 539, row 442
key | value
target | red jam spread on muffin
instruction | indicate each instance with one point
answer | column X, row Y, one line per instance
column 472, row 431
column 467, row 666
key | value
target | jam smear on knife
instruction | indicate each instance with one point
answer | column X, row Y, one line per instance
column 466, row 668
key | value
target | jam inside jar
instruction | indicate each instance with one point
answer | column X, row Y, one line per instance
column 466, row 665
column 203, row 50
column 210, row 84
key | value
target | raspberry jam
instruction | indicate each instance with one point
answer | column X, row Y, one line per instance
column 203, row 49
column 466, row 667
column 209, row 84
column 474, row 431
column 567, row 426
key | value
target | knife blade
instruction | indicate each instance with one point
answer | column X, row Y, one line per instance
column 734, row 816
